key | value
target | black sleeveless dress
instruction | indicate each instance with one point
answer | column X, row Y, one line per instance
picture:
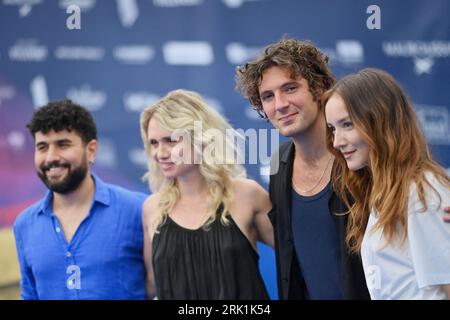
column 217, row 263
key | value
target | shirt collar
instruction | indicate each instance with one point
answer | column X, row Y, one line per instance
column 101, row 194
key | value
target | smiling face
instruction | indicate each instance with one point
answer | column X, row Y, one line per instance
column 169, row 151
column 346, row 137
column 62, row 159
column 288, row 103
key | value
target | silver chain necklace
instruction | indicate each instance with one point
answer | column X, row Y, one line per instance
column 318, row 181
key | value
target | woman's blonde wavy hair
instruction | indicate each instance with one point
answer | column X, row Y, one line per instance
column 182, row 110
column 399, row 155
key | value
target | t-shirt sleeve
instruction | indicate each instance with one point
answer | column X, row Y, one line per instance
column 429, row 238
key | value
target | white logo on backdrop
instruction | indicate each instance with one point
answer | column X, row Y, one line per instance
column 28, row 50
column 423, row 65
column 93, row 100
column 138, row 101
column 134, row 54
column 233, row 4
column 128, row 11
column 423, row 53
column 25, row 5
column 350, row 51
column 79, row 53
column 188, row 53
column 38, row 90
column 435, row 122
column 238, row 54
column 177, row 3
column 84, row 5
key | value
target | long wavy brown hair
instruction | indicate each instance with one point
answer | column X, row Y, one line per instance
column 399, row 155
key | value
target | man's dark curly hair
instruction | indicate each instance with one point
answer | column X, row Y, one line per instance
column 63, row 115
column 302, row 58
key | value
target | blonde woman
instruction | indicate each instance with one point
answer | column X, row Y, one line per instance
column 396, row 221
column 203, row 220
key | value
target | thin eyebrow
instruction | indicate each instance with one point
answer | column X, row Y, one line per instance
column 343, row 120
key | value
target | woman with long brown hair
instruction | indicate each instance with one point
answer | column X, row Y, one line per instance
column 393, row 187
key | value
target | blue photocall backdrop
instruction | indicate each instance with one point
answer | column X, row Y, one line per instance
column 122, row 55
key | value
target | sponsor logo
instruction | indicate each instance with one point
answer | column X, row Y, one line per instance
column 238, row 54
column 28, row 50
column 79, row 53
column 128, row 11
column 134, row 54
column 84, row 5
column 423, row 53
column 188, row 53
column 38, row 90
column 350, row 52
column 435, row 122
column 138, row 101
column 25, row 5
column 177, row 3
column 93, row 100
column 233, row 4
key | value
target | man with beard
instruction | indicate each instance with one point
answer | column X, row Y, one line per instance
column 84, row 239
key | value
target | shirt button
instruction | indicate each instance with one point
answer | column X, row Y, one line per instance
column 58, row 229
column 68, row 254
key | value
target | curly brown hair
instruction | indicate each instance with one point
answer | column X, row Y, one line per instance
column 302, row 58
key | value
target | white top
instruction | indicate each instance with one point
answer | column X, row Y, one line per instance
column 417, row 268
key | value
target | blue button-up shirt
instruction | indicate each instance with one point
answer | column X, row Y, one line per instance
column 104, row 259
